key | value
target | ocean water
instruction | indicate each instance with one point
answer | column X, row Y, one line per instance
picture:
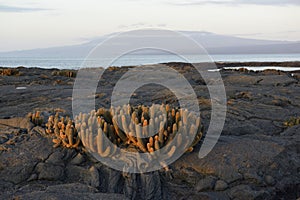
column 134, row 60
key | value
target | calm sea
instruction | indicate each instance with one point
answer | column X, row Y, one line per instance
column 133, row 60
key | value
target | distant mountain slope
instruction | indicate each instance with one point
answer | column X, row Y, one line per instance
column 285, row 48
column 214, row 43
column 212, row 40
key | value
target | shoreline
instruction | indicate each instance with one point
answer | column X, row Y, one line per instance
column 219, row 64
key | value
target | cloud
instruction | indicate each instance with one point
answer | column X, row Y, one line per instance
column 140, row 25
column 4, row 8
column 237, row 2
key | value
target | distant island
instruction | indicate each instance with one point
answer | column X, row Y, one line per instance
column 213, row 43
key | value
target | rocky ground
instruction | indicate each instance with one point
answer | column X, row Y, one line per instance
column 256, row 157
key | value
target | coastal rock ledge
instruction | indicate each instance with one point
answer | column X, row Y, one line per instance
column 256, row 157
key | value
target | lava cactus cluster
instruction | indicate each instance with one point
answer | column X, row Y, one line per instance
column 36, row 118
column 293, row 121
column 147, row 129
column 63, row 131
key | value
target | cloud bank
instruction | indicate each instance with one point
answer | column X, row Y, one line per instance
column 4, row 8
column 237, row 2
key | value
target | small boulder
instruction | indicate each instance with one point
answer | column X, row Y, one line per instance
column 269, row 180
column 221, row 185
column 94, row 179
column 245, row 192
column 77, row 160
column 205, row 184
column 56, row 158
column 89, row 176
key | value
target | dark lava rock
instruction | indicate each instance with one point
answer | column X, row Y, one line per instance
column 256, row 157
column 18, row 163
column 74, row 191
column 291, row 131
column 245, row 192
column 50, row 172
column 20, row 122
column 151, row 185
column 242, row 129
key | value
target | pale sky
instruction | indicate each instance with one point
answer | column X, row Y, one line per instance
column 28, row 24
